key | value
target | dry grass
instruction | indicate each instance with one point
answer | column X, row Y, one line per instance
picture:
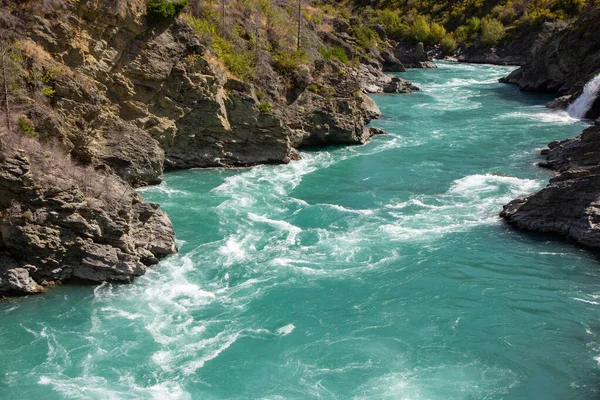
column 52, row 167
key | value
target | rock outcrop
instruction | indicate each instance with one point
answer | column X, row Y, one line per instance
column 570, row 204
column 563, row 59
column 128, row 96
column 55, row 233
column 414, row 56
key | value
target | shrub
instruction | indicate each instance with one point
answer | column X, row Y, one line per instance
column 161, row 9
column 449, row 45
column 312, row 88
column 25, row 127
column 365, row 36
column 568, row 7
column 473, row 26
column 286, row 61
column 420, row 30
column 205, row 28
column 492, row 31
column 239, row 63
column 48, row 91
column 392, row 23
column 461, row 34
column 265, row 107
column 339, row 53
column 437, row 33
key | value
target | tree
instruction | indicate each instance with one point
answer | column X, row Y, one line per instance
column 12, row 89
column 299, row 22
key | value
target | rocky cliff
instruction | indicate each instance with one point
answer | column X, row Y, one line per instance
column 570, row 204
column 52, row 230
column 563, row 58
column 115, row 97
column 562, row 61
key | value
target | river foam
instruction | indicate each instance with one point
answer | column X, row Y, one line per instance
column 370, row 272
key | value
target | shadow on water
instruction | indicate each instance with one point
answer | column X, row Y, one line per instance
column 512, row 94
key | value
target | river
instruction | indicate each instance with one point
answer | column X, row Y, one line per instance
column 371, row 272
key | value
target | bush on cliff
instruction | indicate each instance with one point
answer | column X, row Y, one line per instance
column 492, row 31
column 163, row 9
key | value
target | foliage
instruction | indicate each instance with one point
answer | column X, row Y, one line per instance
column 337, row 52
column 286, row 61
column 48, row 91
column 239, row 63
column 420, row 30
column 492, row 31
column 162, row 9
column 365, row 36
column 265, row 107
column 437, row 33
column 448, row 45
column 204, row 27
column 25, row 127
column 391, row 20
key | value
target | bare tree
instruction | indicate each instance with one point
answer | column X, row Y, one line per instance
column 13, row 95
column 3, row 61
column 223, row 18
column 299, row 22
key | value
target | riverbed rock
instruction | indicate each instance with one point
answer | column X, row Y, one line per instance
column 570, row 204
column 414, row 56
column 58, row 232
column 563, row 58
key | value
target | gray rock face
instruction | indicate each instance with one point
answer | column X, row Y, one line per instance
column 563, row 59
column 414, row 57
column 372, row 80
column 570, row 204
column 49, row 234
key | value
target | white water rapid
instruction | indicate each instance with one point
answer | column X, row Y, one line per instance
column 584, row 102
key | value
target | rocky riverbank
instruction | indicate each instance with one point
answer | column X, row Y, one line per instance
column 569, row 205
column 109, row 97
column 561, row 62
column 563, row 59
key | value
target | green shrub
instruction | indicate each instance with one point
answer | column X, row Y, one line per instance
column 461, row 34
column 448, row 45
column 239, row 63
column 420, row 30
column 204, row 27
column 568, row 7
column 492, row 31
column 437, row 33
column 162, row 9
column 365, row 36
column 287, row 61
column 339, row 53
column 473, row 26
column 48, row 91
column 25, row 127
column 265, row 107
column 392, row 22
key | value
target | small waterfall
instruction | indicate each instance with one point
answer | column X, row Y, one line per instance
column 581, row 106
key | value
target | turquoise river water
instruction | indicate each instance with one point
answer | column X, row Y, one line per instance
column 368, row 272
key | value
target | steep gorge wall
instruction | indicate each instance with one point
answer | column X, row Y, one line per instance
column 131, row 97
column 562, row 62
column 563, row 59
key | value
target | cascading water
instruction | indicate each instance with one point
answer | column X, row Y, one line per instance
column 582, row 105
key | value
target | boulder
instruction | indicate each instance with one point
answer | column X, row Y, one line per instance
column 563, row 58
column 570, row 204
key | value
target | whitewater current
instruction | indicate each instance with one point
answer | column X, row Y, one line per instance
column 369, row 272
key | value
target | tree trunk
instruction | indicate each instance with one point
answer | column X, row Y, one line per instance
column 223, row 17
column 299, row 21
column 4, row 78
